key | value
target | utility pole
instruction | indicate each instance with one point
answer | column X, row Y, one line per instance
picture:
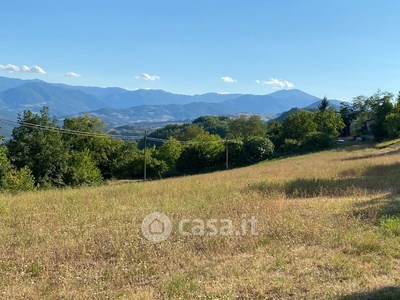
column 227, row 153
column 145, row 164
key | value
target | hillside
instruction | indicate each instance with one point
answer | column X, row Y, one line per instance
column 117, row 106
column 159, row 113
column 328, row 227
column 17, row 95
column 35, row 95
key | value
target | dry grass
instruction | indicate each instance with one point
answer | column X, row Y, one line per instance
column 328, row 228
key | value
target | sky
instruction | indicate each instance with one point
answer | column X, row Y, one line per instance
column 339, row 49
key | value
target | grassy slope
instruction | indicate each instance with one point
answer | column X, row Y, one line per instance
column 320, row 234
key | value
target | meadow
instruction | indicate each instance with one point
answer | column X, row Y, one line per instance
column 328, row 227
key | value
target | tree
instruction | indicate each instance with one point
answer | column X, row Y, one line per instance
column 127, row 162
column 381, row 106
column 169, row 152
column 170, row 130
column 4, row 162
column 38, row 144
column 298, row 126
column 362, row 110
column 82, row 169
column 274, row 133
column 348, row 115
column 257, row 148
column 243, row 127
column 329, row 122
column 214, row 124
column 324, row 104
column 393, row 120
column 190, row 132
column 202, row 153
column 18, row 180
column 99, row 146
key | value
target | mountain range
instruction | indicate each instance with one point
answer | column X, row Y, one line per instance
column 117, row 106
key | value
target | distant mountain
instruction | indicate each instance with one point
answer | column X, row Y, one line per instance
column 161, row 113
column 118, row 106
column 9, row 83
column 272, row 103
column 98, row 92
column 35, row 95
column 156, row 97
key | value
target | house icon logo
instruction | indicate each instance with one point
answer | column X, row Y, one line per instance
column 156, row 227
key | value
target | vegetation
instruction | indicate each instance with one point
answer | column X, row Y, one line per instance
column 328, row 228
column 328, row 223
column 43, row 154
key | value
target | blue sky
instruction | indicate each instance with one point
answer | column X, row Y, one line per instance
column 340, row 49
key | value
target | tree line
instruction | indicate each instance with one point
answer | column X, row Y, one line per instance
column 43, row 154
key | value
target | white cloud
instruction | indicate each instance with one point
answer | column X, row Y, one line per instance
column 72, row 74
column 34, row 69
column 11, row 68
column 224, row 93
column 25, row 69
column 257, row 81
column 148, row 77
column 228, row 79
column 278, row 83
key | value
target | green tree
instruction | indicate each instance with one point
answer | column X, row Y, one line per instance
column 381, row 105
column 201, row 153
column 348, row 115
column 362, row 109
column 393, row 120
column 128, row 161
column 190, row 132
column 99, row 146
column 170, row 130
column 257, row 148
column 18, row 180
column 4, row 162
column 214, row 124
column 38, row 144
column 82, row 170
column 244, row 126
column 298, row 126
column 275, row 133
column 329, row 122
column 169, row 152
column 324, row 104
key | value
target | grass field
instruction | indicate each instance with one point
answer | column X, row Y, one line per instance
column 328, row 228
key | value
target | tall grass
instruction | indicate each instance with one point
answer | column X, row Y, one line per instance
column 327, row 228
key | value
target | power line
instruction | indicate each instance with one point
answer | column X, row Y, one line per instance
column 103, row 135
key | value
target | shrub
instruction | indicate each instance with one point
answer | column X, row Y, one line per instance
column 257, row 148
column 18, row 180
column 82, row 169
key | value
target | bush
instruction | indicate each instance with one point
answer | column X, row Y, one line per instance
column 18, row 180
column 202, row 154
column 236, row 154
column 290, row 146
column 257, row 148
column 82, row 169
column 318, row 141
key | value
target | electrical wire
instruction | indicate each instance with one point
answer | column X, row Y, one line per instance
column 103, row 135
